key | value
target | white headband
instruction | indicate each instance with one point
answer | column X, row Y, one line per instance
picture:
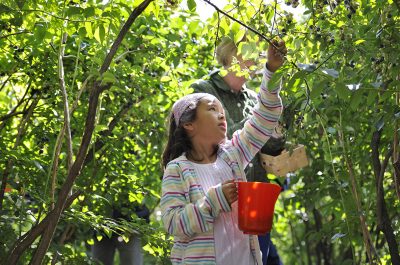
column 185, row 103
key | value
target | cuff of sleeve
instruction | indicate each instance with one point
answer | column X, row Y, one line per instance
column 218, row 200
column 267, row 76
column 267, row 73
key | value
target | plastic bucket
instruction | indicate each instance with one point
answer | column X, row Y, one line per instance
column 256, row 205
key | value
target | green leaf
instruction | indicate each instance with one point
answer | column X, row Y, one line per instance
column 73, row 10
column 4, row 9
column 108, row 78
column 17, row 21
column 165, row 78
column 296, row 79
column 20, row 3
column 89, row 12
column 248, row 50
column 356, row 99
column 191, row 5
column 239, row 35
column 317, row 89
column 342, row 91
column 39, row 32
column 276, row 79
column 82, row 32
column 100, row 33
column 88, row 27
column 359, row 42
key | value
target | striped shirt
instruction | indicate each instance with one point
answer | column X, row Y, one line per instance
column 188, row 212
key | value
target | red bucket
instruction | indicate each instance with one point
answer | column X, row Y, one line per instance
column 256, row 205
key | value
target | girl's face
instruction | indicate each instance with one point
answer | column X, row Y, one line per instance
column 210, row 124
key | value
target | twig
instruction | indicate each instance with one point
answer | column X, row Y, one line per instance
column 273, row 20
column 14, row 109
column 242, row 24
column 15, row 33
column 395, row 156
column 65, row 99
column 52, row 15
column 5, row 82
column 216, row 35
column 321, row 64
column 82, row 89
column 76, row 67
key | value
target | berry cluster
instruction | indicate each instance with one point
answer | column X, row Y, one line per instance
column 293, row 3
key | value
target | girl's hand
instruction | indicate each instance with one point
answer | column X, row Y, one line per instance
column 276, row 56
column 230, row 191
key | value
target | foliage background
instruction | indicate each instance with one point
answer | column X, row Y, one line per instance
column 341, row 94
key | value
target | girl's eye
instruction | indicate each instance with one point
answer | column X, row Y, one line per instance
column 212, row 108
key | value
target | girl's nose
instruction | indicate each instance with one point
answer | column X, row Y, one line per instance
column 221, row 115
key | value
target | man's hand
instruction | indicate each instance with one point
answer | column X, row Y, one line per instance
column 276, row 56
column 230, row 191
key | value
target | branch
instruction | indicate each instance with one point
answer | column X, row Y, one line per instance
column 67, row 124
column 82, row 89
column 136, row 12
column 395, row 156
column 241, row 23
column 376, row 136
column 10, row 115
column 274, row 19
column 15, row 33
column 321, row 64
column 396, row 176
column 52, row 15
column 216, row 35
column 5, row 82
column 54, row 167
column 12, row 112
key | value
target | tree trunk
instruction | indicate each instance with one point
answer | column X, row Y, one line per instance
column 384, row 222
column 322, row 245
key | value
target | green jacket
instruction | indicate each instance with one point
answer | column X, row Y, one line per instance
column 238, row 108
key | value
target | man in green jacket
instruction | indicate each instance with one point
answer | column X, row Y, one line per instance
column 238, row 102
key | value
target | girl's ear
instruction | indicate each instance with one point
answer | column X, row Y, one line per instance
column 188, row 126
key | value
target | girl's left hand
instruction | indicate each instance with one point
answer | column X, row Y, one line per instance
column 230, row 191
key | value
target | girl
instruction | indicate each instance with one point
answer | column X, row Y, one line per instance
column 199, row 195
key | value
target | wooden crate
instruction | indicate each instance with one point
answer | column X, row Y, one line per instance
column 285, row 162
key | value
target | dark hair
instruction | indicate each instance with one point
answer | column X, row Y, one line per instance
column 178, row 140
